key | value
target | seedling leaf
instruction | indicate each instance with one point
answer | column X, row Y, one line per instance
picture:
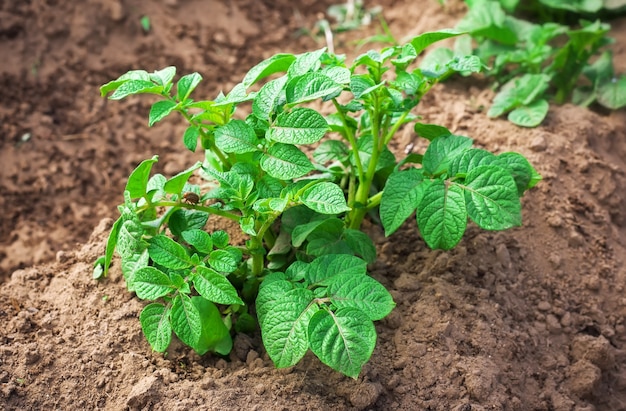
column 215, row 287
column 156, row 326
column 168, row 253
column 150, row 283
column 442, row 215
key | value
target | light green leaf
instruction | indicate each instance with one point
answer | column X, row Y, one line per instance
column 530, row 115
column 299, row 126
column 343, row 340
column 285, row 162
column 215, row 287
column 176, row 184
column 186, row 85
column 138, row 180
column 215, row 336
column 431, row 131
column 330, row 265
column 156, row 326
column 271, row 291
column 130, row 75
column 163, row 77
column 186, row 320
column 403, row 192
column 305, row 62
column 612, row 93
column 276, row 64
column 285, row 324
column 150, row 283
column 361, row 292
column 492, row 198
column 330, row 150
column 168, row 253
column 198, row 239
column 442, row 215
column 424, row 40
column 302, row 231
column 442, row 150
column 470, row 159
column 236, row 137
column 325, row 198
column 131, row 87
column 160, row 110
column 190, row 138
column 267, row 99
column 111, row 244
column 361, row 244
column 311, row 86
column 225, row 261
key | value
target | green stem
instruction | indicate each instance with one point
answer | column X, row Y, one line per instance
column 395, row 127
column 351, row 140
column 222, row 157
column 210, row 210
column 374, row 200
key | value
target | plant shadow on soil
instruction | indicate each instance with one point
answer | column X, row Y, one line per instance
column 527, row 319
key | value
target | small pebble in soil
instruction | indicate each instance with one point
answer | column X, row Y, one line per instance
column 544, row 306
column 538, row 143
column 365, row 395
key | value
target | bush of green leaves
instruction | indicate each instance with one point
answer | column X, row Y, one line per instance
column 301, row 276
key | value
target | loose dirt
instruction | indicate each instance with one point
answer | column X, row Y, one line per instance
column 527, row 319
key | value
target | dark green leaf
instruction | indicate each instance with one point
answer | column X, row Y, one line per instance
column 138, row 180
column 215, row 336
column 325, row 198
column 176, row 184
column 403, row 192
column 215, row 287
column 299, row 126
column 225, row 261
column 442, row 215
column 186, row 320
column 442, row 150
column 198, row 239
column 361, row 292
column 156, row 326
column 285, row 162
column 343, row 340
column 190, row 138
column 361, row 244
column 331, row 265
column 431, row 131
column 150, row 283
column 612, row 93
column 168, row 253
column 276, row 64
column 236, row 137
column 267, row 99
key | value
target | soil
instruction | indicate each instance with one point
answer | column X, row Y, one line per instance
column 532, row 318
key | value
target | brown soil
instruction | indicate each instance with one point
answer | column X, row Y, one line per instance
column 528, row 319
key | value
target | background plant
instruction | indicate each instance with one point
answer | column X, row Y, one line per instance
column 534, row 63
column 303, row 266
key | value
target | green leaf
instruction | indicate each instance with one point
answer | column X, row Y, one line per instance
column 186, row 320
column 150, row 283
column 285, row 162
column 343, row 340
column 361, row 292
column 182, row 220
column 284, row 326
column 270, row 291
column 129, row 241
column 130, row 75
column 431, row 131
column 236, row 137
column 138, row 179
column 330, row 150
column 215, row 287
column 220, row 239
column 521, row 170
column 111, row 244
column 131, row 265
column 176, row 184
column 302, row 231
column 517, row 92
column 325, row 198
column 198, row 239
column 442, row 215
column 186, row 85
column 131, row 87
column 215, row 336
column 532, row 114
column 424, row 40
column 276, row 64
column 305, row 62
column 299, row 126
column 190, row 138
column 403, row 192
column 612, row 93
column 267, row 99
column 311, row 86
column 160, row 110
column 225, row 261
column 156, row 326
column 361, row 244
column 327, row 266
column 362, row 85
column 492, row 198
column 168, row 253
column 442, row 150
column 164, row 77
column 470, row 159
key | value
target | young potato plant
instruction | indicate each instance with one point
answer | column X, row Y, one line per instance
column 303, row 268
column 534, row 63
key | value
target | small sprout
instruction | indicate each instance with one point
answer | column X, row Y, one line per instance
column 145, row 23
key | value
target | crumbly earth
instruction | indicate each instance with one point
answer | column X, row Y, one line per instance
column 527, row 319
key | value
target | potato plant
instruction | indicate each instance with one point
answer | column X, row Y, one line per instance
column 301, row 275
